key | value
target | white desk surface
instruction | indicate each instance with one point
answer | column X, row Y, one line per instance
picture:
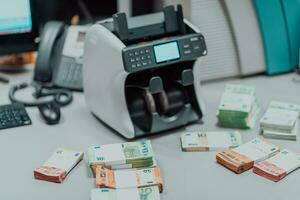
column 186, row 175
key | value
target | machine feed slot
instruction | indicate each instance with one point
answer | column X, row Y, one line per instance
column 162, row 98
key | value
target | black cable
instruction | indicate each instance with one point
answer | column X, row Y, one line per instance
column 61, row 97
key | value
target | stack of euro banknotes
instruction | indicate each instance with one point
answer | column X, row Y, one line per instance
column 122, row 171
column 58, row 166
column 266, row 159
column 125, row 171
column 192, row 141
column 239, row 107
column 280, row 121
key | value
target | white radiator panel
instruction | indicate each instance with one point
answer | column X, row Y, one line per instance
column 210, row 18
column 247, row 36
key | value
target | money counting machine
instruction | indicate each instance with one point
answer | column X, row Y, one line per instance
column 139, row 74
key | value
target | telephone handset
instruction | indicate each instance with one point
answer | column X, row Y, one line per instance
column 52, row 31
column 59, row 61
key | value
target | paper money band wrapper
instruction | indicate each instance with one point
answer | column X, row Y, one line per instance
column 243, row 157
column 234, row 161
column 269, row 171
column 139, row 178
column 56, row 168
column 278, row 166
column 51, row 174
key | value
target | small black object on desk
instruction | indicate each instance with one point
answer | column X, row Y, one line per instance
column 4, row 79
column 50, row 113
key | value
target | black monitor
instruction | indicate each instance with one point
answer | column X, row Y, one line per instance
column 18, row 26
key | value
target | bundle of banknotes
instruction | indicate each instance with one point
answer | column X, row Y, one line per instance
column 239, row 107
column 280, row 121
column 146, row 193
column 210, row 141
column 278, row 166
column 132, row 178
column 242, row 158
column 122, row 155
column 56, row 168
column 125, row 171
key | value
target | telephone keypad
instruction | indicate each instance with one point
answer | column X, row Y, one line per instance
column 69, row 74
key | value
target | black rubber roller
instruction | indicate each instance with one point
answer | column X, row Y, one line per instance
column 162, row 102
column 141, row 105
column 176, row 101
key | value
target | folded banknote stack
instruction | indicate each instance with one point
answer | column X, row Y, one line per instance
column 56, row 168
column 280, row 121
column 125, row 171
column 239, row 107
column 242, row 158
column 210, row 141
column 122, row 155
column 132, row 178
column 278, row 166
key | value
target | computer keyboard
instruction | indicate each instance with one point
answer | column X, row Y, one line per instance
column 13, row 115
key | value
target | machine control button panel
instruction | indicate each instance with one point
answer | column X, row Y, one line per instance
column 141, row 57
column 192, row 45
column 163, row 52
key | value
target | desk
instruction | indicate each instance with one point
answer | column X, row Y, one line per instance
column 187, row 176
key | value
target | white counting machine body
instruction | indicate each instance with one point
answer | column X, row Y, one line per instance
column 139, row 76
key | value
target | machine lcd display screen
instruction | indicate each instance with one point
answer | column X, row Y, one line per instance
column 166, row 52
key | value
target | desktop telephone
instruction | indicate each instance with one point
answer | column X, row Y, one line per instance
column 59, row 62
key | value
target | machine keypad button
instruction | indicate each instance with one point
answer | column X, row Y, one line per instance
column 137, row 58
column 142, row 52
column 144, row 63
column 131, row 54
column 193, row 39
column 133, row 66
column 147, row 50
column 132, row 60
column 138, row 64
column 186, row 52
column 186, row 46
column 196, row 47
column 136, row 53
column 143, row 57
column 148, row 56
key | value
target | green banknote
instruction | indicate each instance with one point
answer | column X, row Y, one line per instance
column 239, row 107
column 210, row 141
column 122, row 155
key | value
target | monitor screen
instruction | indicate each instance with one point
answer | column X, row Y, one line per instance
column 15, row 17
column 166, row 52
